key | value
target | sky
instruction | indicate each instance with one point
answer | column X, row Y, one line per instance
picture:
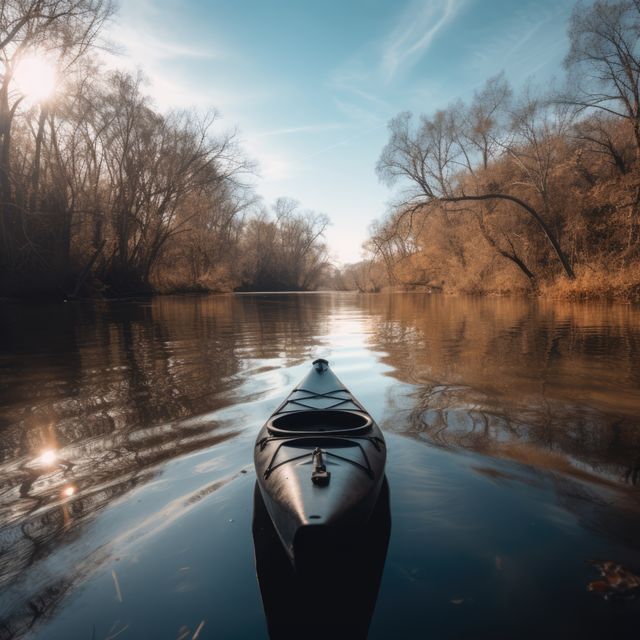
column 310, row 86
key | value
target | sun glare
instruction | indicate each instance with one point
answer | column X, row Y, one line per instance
column 35, row 78
column 48, row 457
column 68, row 491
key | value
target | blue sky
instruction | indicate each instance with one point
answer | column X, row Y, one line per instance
column 311, row 85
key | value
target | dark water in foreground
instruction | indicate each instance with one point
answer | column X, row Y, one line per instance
column 126, row 474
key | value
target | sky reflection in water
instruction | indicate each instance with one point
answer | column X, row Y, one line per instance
column 126, row 477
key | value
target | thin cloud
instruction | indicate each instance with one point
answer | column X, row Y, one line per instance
column 274, row 165
column 361, row 115
column 369, row 97
column 310, row 128
column 141, row 39
column 416, row 30
column 534, row 37
column 342, row 143
column 146, row 46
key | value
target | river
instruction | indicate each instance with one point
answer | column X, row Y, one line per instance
column 126, row 461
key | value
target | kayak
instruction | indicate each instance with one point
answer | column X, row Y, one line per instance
column 320, row 460
column 343, row 582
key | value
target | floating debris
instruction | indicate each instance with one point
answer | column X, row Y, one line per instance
column 617, row 582
column 183, row 633
column 457, row 600
column 117, row 585
column 113, row 633
column 198, row 630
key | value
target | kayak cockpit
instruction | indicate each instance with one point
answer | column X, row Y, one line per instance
column 319, row 421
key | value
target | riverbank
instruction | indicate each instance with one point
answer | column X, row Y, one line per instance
column 589, row 285
column 594, row 284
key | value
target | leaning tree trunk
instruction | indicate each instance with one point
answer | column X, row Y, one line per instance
column 513, row 256
column 564, row 261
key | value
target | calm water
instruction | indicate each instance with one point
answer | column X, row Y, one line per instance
column 126, row 474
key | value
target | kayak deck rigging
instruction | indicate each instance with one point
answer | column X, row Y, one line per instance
column 327, row 441
column 312, row 395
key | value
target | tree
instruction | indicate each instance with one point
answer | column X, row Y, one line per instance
column 63, row 30
column 438, row 168
column 484, row 122
column 604, row 59
column 597, row 133
column 284, row 248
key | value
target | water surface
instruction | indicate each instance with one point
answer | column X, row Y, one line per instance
column 126, row 475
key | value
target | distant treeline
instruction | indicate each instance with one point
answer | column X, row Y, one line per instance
column 532, row 192
column 100, row 193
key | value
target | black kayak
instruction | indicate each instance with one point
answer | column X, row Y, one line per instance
column 319, row 462
column 331, row 593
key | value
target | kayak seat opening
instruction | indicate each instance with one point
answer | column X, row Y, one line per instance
column 330, row 422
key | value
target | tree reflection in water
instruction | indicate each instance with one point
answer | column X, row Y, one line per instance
column 553, row 385
column 97, row 396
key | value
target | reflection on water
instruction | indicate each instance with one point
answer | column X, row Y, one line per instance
column 95, row 397
column 333, row 593
column 553, row 385
column 127, row 431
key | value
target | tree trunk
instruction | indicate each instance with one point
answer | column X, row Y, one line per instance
column 513, row 257
column 8, row 222
column 564, row 261
column 35, row 176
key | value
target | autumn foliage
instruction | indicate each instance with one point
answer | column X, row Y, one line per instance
column 101, row 193
column 538, row 192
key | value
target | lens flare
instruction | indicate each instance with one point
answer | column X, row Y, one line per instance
column 68, row 491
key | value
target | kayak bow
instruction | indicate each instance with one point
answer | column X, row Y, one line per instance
column 320, row 461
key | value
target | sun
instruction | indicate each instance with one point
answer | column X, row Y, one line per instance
column 35, row 78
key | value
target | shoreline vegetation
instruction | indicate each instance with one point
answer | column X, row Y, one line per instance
column 104, row 196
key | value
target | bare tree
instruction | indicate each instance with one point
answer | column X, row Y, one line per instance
column 431, row 160
column 64, row 30
column 597, row 135
column 485, row 121
column 284, row 249
column 604, row 59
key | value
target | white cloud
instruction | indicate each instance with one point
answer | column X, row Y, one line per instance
column 144, row 36
column 146, row 46
column 344, row 142
column 372, row 99
column 310, row 128
column 416, row 29
column 361, row 115
column 361, row 78
column 534, row 37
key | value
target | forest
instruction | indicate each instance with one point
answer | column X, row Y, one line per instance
column 104, row 195
column 536, row 193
